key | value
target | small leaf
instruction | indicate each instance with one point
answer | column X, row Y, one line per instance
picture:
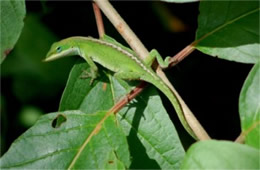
column 249, row 107
column 83, row 141
column 12, row 14
column 152, row 138
column 221, row 155
column 229, row 30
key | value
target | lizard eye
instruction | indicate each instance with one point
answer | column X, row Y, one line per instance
column 58, row 49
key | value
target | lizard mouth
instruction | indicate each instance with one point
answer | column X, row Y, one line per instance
column 65, row 53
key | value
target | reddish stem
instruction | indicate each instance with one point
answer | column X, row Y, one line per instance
column 182, row 54
column 120, row 104
column 99, row 20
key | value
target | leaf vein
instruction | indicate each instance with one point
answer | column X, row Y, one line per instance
column 227, row 23
column 39, row 158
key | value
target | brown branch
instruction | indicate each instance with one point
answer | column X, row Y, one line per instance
column 99, row 20
column 120, row 104
column 182, row 54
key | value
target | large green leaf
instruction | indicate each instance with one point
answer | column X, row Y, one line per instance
column 221, row 155
column 70, row 139
column 229, row 30
column 152, row 138
column 12, row 14
column 249, row 107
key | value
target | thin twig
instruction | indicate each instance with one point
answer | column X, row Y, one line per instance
column 99, row 20
column 120, row 104
column 182, row 54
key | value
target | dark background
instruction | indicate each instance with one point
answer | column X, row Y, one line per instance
column 210, row 86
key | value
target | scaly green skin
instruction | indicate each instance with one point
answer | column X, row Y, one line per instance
column 118, row 59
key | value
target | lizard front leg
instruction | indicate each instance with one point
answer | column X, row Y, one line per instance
column 93, row 73
column 154, row 54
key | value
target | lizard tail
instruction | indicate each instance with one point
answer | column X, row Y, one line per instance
column 174, row 101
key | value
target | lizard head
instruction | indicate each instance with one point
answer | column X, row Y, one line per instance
column 60, row 49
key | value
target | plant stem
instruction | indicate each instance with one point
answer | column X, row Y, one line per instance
column 120, row 104
column 242, row 136
column 99, row 20
column 182, row 54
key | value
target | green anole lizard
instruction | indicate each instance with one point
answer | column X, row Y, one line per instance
column 119, row 59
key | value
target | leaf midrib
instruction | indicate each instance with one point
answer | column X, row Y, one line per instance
column 94, row 132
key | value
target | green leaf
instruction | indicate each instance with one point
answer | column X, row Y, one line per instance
column 249, row 107
column 221, row 155
column 180, row 1
column 152, row 138
column 30, row 76
column 81, row 141
column 229, row 30
column 12, row 14
column 79, row 95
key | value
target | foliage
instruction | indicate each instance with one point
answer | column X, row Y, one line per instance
column 102, row 143
column 12, row 14
column 83, row 134
column 144, row 120
column 221, row 155
column 249, row 107
column 229, row 33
